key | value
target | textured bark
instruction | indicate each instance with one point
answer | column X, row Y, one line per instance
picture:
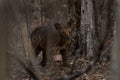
column 87, row 26
column 101, row 20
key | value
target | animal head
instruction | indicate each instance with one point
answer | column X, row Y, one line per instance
column 65, row 32
column 65, row 29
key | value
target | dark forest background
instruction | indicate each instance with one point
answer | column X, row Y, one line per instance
column 94, row 53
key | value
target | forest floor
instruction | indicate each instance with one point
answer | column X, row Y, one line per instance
column 98, row 71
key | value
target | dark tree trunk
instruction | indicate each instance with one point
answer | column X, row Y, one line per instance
column 3, row 43
column 116, row 44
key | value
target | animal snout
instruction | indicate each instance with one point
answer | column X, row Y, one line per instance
column 67, row 37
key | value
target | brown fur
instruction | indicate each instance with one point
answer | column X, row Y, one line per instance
column 48, row 37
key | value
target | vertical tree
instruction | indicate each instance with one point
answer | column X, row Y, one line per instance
column 116, row 46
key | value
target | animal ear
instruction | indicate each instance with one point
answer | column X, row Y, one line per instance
column 57, row 26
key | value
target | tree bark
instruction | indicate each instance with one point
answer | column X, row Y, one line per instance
column 87, row 27
column 116, row 44
column 3, row 43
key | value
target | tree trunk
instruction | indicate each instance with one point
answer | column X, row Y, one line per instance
column 87, row 26
column 116, row 44
column 3, row 43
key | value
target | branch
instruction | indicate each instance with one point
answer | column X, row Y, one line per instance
column 73, row 75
